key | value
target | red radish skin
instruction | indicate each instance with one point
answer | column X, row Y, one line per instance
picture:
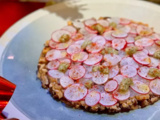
column 77, row 37
column 91, row 30
column 119, row 96
column 53, row 65
column 155, row 86
column 111, row 85
column 52, row 44
column 70, row 29
column 90, row 22
column 75, row 92
column 118, row 44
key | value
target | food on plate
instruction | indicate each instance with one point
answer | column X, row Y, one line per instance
column 105, row 65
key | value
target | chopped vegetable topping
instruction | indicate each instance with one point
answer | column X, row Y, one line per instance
column 125, row 83
column 113, row 25
column 154, row 72
column 109, row 50
column 103, row 69
column 157, row 54
column 99, row 28
column 85, row 43
column 88, row 84
column 63, row 67
column 137, row 37
column 131, row 50
column 64, row 38
column 95, row 68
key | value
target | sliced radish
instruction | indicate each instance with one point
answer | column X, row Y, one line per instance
column 128, row 61
column 92, row 98
column 52, row 44
column 55, row 73
column 77, row 72
column 122, row 54
column 79, row 57
column 75, row 92
column 133, row 30
column 78, row 24
column 80, row 42
column 155, row 36
column 55, row 54
column 155, row 86
column 67, row 73
column 145, row 51
column 77, row 37
column 108, row 44
column 65, row 81
column 65, row 60
column 98, row 88
column 119, row 34
column 111, row 85
column 154, row 62
column 97, row 44
column 62, row 46
column 144, row 30
column 70, row 29
column 107, row 100
column 113, row 71
column 74, row 64
column 107, row 35
column 99, row 78
column 141, row 58
column 57, row 35
column 130, row 39
column 129, row 71
column 124, row 21
column 104, row 23
column 91, row 30
column 119, row 78
column 144, row 42
column 138, row 78
column 93, row 59
column 73, row 49
column 112, row 59
column 125, row 28
column 90, row 22
column 121, row 96
column 88, row 73
column 53, row 64
column 140, row 87
column 118, row 44
column 152, row 49
column 143, row 72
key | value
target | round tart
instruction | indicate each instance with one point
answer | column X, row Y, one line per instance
column 102, row 65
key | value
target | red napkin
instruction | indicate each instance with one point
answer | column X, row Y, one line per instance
column 6, row 90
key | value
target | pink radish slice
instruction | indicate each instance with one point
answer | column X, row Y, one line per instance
column 57, row 35
column 144, row 42
column 104, row 23
column 128, row 61
column 129, row 71
column 130, row 39
column 91, row 30
column 62, row 46
column 92, row 98
column 97, row 44
column 99, row 78
column 154, row 62
column 155, row 36
column 55, row 73
column 70, row 29
column 143, row 72
column 111, row 86
column 77, row 72
column 112, row 59
column 121, row 96
column 75, row 92
column 124, row 21
column 119, row 34
column 118, row 44
column 53, row 64
column 141, row 29
column 78, row 24
column 90, row 22
column 145, row 51
column 98, row 88
column 155, row 86
column 88, row 73
column 152, row 49
column 93, row 59
column 113, row 71
column 67, row 73
column 77, row 37
column 107, row 100
column 140, row 87
column 79, row 57
column 138, row 78
column 122, row 54
column 55, row 54
column 119, row 78
column 80, row 42
column 107, row 35
column 65, row 60
column 108, row 44
column 125, row 29
column 141, row 58
column 65, row 81
column 73, row 49
column 74, row 64
column 52, row 44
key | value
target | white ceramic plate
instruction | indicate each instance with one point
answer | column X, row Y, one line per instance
column 21, row 46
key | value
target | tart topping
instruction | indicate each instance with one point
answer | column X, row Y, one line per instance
column 92, row 98
column 73, row 49
column 113, row 71
column 125, row 84
column 157, row 54
column 79, row 57
column 75, row 92
column 99, row 28
column 107, row 35
column 65, row 81
column 128, row 61
column 118, row 44
column 93, row 59
column 53, row 64
column 111, row 86
column 55, row 73
column 109, row 50
column 63, row 67
column 70, row 29
column 155, row 86
column 154, row 72
column 121, row 95
column 128, row 71
column 112, row 59
column 131, row 50
column 144, row 42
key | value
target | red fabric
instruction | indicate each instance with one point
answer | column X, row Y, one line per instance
column 12, row 11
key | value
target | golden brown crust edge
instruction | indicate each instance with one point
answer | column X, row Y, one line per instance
column 57, row 91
